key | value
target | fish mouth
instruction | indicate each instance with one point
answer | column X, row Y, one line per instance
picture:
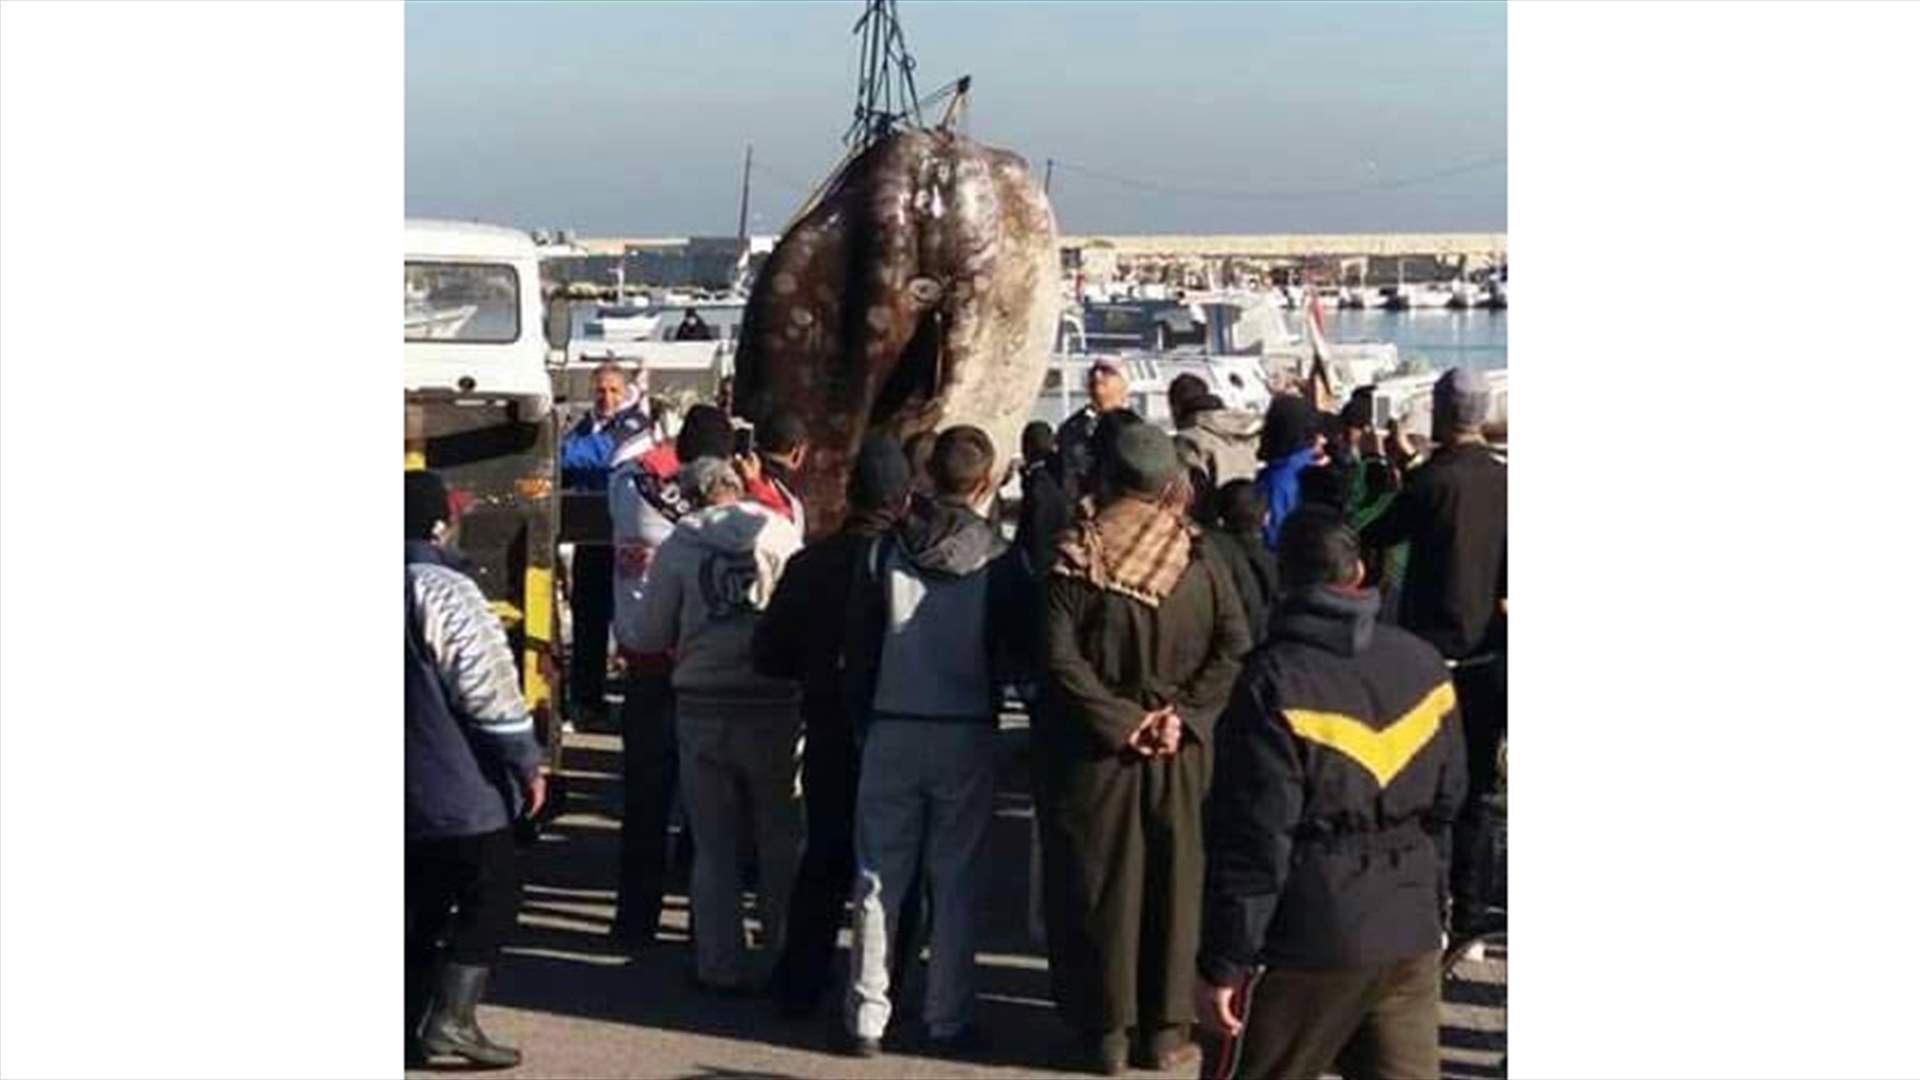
column 909, row 400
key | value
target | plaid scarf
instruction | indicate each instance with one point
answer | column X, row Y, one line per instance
column 1132, row 546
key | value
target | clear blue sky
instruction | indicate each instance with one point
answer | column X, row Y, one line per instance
column 632, row 118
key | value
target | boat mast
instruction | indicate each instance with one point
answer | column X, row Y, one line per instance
column 746, row 186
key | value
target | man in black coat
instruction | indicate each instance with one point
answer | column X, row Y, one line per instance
column 1106, row 391
column 802, row 636
column 1144, row 635
column 1340, row 773
column 1044, row 509
column 1453, row 517
column 1236, row 541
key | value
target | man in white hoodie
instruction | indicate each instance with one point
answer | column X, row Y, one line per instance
column 739, row 731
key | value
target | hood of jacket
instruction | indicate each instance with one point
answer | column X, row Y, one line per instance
column 1338, row 620
column 420, row 551
column 1231, row 425
column 737, row 527
column 943, row 538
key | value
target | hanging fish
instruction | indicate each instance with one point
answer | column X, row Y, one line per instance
column 919, row 291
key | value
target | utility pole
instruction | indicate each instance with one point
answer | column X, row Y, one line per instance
column 746, row 186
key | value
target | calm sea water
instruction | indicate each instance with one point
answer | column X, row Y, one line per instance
column 1473, row 339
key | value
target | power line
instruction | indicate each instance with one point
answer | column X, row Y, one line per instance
column 1275, row 196
column 802, row 186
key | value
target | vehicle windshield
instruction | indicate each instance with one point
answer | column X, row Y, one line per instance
column 462, row 302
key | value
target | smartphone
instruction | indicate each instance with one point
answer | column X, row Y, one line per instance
column 742, row 441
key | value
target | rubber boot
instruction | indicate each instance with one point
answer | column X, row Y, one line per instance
column 416, row 1054
column 419, row 979
column 452, row 1027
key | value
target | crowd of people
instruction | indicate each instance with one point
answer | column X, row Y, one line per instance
column 1262, row 658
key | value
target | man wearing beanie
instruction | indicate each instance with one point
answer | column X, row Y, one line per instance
column 645, row 500
column 738, row 731
column 1290, row 442
column 1453, row 517
column 1144, row 634
column 797, row 640
column 473, row 767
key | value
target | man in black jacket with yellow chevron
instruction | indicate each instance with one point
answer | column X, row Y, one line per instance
column 1341, row 767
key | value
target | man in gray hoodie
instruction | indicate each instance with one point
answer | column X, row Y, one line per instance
column 1216, row 444
column 739, row 731
column 936, row 611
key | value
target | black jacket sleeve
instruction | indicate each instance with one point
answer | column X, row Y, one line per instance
column 780, row 639
column 1252, row 811
column 1402, row 514
column 1012, row 643
column 866, row 629
column 1449, row 799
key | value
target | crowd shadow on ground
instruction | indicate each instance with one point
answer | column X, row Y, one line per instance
column 561, row 959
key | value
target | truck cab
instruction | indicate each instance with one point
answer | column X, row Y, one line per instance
column 479, row 411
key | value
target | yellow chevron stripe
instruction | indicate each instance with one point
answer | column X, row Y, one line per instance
column 1385, row 752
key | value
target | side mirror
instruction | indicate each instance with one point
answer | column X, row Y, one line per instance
column 559, row 321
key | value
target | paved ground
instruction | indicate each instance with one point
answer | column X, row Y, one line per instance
column 578, row 1008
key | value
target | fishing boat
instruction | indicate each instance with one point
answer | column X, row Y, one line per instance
column 1405, row 297
column 623, row 322
column 1360, row 298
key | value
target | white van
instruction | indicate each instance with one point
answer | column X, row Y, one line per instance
column 475, row 324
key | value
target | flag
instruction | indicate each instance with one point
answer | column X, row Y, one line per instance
column 1319, row 382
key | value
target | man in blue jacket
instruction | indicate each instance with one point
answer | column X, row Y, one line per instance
column 473, row 766
column 1290, row 444
column 586, row 458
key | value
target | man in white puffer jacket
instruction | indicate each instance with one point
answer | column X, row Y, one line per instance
column 739, row 731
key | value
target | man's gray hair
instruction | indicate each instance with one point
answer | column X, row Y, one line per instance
column 610, row 367
column 705, row 479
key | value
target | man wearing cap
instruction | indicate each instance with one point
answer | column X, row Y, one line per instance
column 1453, row 517
column 472, row 768
column 1216, row 444
column 1106, row 391
column 1144, row 632
column 794, row 641
column 738, row 730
